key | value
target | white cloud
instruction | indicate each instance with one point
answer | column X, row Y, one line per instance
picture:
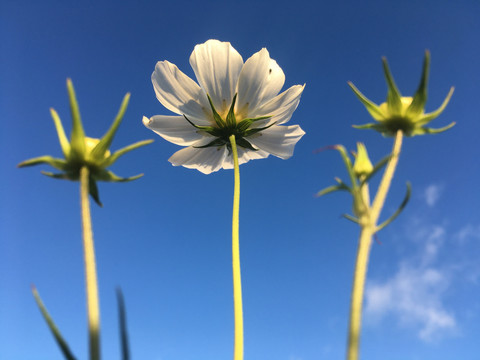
column 414, row 295
column 467, row 233
column 432, row 194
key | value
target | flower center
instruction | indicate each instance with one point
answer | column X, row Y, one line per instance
column 227, row 126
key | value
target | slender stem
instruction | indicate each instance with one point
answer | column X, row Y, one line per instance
column 368, row 228
column 358, row 288
column 90, row 268
column 237, row 281
column 386, row 179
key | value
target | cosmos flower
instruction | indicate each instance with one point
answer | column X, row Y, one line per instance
column 403, row 112
column 231, row 98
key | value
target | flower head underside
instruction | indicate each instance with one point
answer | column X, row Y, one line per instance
column 231, row 98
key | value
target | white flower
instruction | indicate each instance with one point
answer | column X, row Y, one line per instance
column 232, row 98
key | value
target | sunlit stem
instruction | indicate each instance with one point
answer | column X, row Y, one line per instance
column 384, row 186
column 93, row 311
column 358, row 288
column 368, row 228
column 237, row 280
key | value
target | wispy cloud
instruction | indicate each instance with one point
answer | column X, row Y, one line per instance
column 414, row 294
column 432, row 194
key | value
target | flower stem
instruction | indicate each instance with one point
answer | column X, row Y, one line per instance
column 368, row 229
column 358, row 288
column 237, row 281
column 384, row 186
column 90, row 268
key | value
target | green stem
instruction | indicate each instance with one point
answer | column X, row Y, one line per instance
column 368, row 229
column 386, row 179
column 90, row 268
column 358, row 288
column 237, row 281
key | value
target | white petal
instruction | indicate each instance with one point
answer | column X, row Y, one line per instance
column 175, row 129
column 280, row 107
column 205, row 160
column 244, row 155
column 180, row 94
column 217, row 66
column 260, row 80
column 278, row 140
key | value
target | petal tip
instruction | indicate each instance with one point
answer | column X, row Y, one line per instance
column 146, row 121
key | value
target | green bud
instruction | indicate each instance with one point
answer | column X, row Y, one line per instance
column 362, row 166
column 83, row 151
column 400, row 113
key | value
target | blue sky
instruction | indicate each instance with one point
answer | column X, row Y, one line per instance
column 165, row 239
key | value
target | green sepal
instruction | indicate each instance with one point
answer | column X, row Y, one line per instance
column 208, row 129
column 371, row 107
column 98, row 152
column 253, row 131
column 122, row 319
column 399, row 210
column 112, row 158
column 63, row 176
column 93, row 190
column 107, row 175
column 430, row 116
column 230, row 120
column 77, row 138
column 245, row 123
column 245, row 144
column 53, row 328
column 215, row 142
column 351, row 218
column 425, row 130
column 216, row 116
column 64, row 143
column 420, row 98
column 394, row 100
column 57, row 163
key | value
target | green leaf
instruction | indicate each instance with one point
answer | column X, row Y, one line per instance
column 93, row 190
column 348, row 165
column 394, row 100
column 98, row 152
column 231, row 121
column 112, row 158
column 351, row 218
column 218, row 119
column 419, row 100
column 53, row 328
column 122, row 318
column 399, row 210
column 77, row 138
column 376, row 168
column 107, row 175
column 333, row 188
column 371, row 107
column 430, row 116
column 61, row 133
